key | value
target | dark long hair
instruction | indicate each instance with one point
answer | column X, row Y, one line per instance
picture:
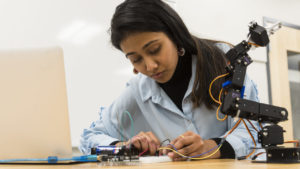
column 133, row 16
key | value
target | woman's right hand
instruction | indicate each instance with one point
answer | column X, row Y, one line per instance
column 144, row 141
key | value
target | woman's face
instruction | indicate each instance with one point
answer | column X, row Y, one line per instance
column 152, row 54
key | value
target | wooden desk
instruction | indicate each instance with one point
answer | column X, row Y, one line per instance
column 204, row 164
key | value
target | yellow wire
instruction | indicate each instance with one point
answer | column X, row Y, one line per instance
column 201, row 158
column 198, row 158
column 218, row 77
column 217, row 113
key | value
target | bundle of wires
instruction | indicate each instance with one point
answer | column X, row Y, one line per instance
column 217, row 112
column 197, row 157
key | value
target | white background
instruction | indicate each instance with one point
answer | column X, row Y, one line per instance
column 96, row 73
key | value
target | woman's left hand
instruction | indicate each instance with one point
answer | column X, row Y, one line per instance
column 191, row 144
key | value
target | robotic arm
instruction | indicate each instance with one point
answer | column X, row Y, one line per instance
column 234, row 105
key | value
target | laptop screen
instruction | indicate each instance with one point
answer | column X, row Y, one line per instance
column 34, row 119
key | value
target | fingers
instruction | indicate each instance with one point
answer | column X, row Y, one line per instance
column 187, row 151
column 153, row 141
column 184, row 146
column 135, row 141
column 187, row 144
column 140, row 142
column 173, row 142
column 146, row 142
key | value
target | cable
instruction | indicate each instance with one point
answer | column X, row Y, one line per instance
column 253, row 151
column 201, row 153
column 218, row 146
column 55, row 159
column 293, row 141
column 256, row 155
column 260, row 125
column 143, row 152
column 201, row 158
column 234, row 127
column 254, row 44
column 122, row 128
column 252, row 125
column 131, row 120
column 165, row 141
column 217, row 112
column 211, row 96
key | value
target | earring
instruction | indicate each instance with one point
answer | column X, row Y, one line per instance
column 181, row 52
column 135, row 71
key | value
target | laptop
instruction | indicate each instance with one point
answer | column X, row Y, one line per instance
column 34, row 119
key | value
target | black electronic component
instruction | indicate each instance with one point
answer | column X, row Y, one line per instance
column 238, row 51
column 258, row 34
column 283, row 154
column 271, row 136
column 238, row 76
column 116, row 153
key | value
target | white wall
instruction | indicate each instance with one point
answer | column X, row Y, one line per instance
column 228, row 20
column 96, row 73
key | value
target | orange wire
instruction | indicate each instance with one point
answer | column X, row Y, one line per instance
column 252, row 125
column 210, row 94
column 253, row 151
column 234, row 127
column 217, row 113
column 293, row 141
column 254, row 44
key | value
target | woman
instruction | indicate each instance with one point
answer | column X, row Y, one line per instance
column 168, row 98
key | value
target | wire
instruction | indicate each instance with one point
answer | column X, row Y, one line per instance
column 131, row 120
column 217, row 112
column 256, row 155
column 201, row 158
column 293, row 141
column 165, row 141
column 211, row 96
column 122, row 128
column 253, row 151
column 220, row 94
column 234, row 127
column 201, row 153
column 143, row 152
column 252, row 125
column 254, row 44
column 260, row 125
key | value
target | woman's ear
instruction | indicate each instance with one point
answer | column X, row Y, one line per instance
column 135, row 71
column 181, row 51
